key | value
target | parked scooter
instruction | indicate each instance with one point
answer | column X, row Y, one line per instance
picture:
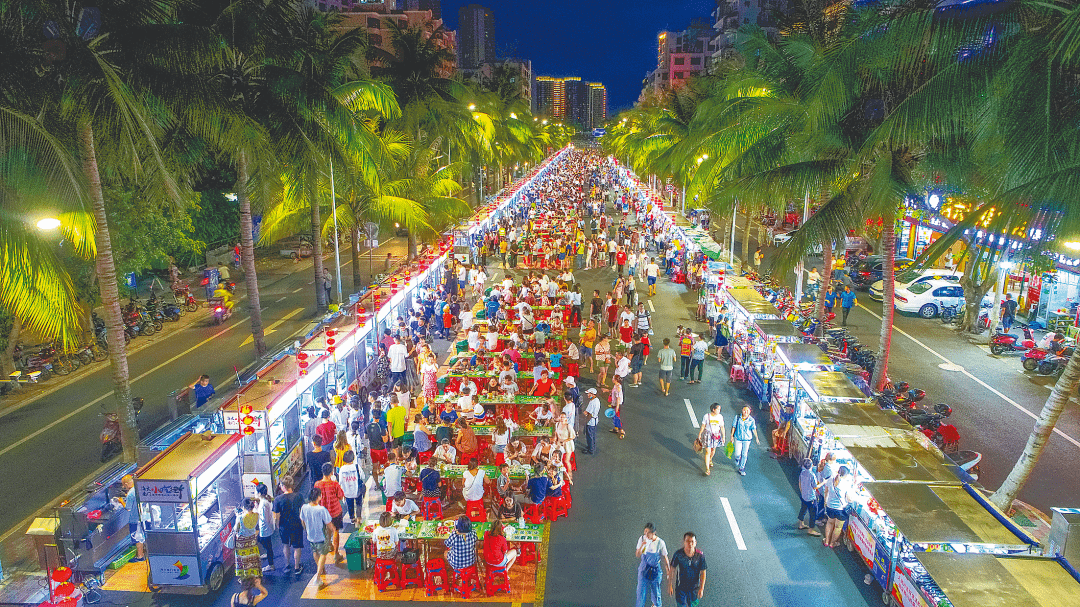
column 1031, row 358
column 184, row 298
column 1001, row 343
column 110, row 432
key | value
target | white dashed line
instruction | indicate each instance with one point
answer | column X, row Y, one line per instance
column 976, row 379
column 281, row 300
column 298, row 290
column 690, row 410
column 651, row 308
column 733, row 524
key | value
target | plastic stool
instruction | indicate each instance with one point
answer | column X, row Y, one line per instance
column 466, row 581
column 475, row 511
column 389, row 503
column 554, row 507
column 410, row 485
column 423, row 456
column 737, row 373
column 534, row 513
column 417, row 579
column 465, row 457
column 573, row 462
column 436, row 578
column 496, row 579
column 528, row 553
column 432, row 508
column 569, row 498
column 386, row 573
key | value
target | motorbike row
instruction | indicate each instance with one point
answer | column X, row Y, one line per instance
column 39, row 363
column 1033, row 358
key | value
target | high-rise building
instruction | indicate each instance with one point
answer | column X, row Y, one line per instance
column 476, row 44
column 375, row 19
column 681, row 55
column 570, row 99
column 510, row 78
column 730, row 15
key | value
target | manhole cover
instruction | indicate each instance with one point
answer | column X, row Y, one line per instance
column 950, row 367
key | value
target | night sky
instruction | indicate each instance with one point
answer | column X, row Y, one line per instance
column 598, row 40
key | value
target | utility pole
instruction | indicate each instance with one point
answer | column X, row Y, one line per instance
column 337, row 247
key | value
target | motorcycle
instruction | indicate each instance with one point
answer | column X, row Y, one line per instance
column 168, row 312
column 46, row 358
column 1054, row 363
column 968, row 461
column 1001, row 343
column 1031, row 359
column 219, row 310
column 184, row 299
column 110, row 431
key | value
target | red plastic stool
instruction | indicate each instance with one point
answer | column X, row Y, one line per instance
column 573, row 462
column 496, row 579
column 554, row 507
column 465, row 457
column 436, row 578
column 475, row 511
column 466, row 581
column 389, row 503
column 410, row 485
column 568, row 497
column 386, row 573
column 534, row 513
column 432, row 508
column 417, row 579
column 423, row 456
column 528, row 553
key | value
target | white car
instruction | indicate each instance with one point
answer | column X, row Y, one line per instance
column 927, row 298
column 909, row 277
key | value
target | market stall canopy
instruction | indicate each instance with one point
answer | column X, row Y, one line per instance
column 780, row 329
column 899, row 459
column 753, row 303
column 941, row 514
column 985, row 580
column 829, row 385
column 187, row 457
column 860, row 420
column 799, row 355
column 738, row 282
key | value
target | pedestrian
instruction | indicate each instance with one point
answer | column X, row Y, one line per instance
column 592, row 415
column 697, row 359
column 603, row 360
column 653, row 564
column 813, row 283
column 331, row 498
column 758, row 258
column 688, row 569
column 1008, row 312
column 287, row 520
column 266, row 524
column 686, row 344
column 652, row 271
column 318, row 526
column 134, row 526
column 245, row 543
column 203, row 390
column 711, row 434
column 836, row 501
column 742, row 431
column 666, row 357
column 252, row 592
column 847, row 301
column 398, row 354
column 830, row 299
column 327, row 283
column 615, row 401
column 317, row 457
column 808, row 495
column 637, row 359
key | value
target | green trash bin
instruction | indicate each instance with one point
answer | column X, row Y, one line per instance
column 461, row 346
column 354, row 554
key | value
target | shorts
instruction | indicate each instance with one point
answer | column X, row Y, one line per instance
column 338, row 521
column 665, row 375
column 836, row 514
column 322, row 547
column 586, row 351
column 652, row 280
column 635, row 367
column 505, row 560
column 378, row 456
column 292, row 537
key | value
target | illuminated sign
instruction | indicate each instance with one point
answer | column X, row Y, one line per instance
column 172, row 492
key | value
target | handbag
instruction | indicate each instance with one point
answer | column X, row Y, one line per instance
column 698, row 446
column 729, row 449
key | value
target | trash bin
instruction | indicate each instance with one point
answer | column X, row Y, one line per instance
column 43, row 532
column 210, row 280
column 354, row 553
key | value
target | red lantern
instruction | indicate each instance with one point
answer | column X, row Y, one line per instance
column 249, row 430
column 330, row 349
column 303, row 364
column 245, row 409
column 301, row 356
column 248, row 420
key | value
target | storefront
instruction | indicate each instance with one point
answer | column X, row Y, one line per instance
column 969, row 579
column 759, row 357
column 187, row 498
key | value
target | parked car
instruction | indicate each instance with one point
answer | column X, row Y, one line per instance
column 781, row 237
column 909, row 277
column 927, row 298
column 870, row 270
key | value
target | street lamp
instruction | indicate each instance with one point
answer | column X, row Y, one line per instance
column 1073, row 245
column 48, row 223
column 543, row 121
column 513, row 115
column 472, row 106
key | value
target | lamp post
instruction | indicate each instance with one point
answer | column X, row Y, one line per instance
column 337, row 247
column 48, row 224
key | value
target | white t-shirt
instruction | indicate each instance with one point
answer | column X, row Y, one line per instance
column 392, row 478
column 473, row 485
column 474, row 339
column 397, row 354
column 652, row 270
column 492, row 339
column 622, row 368
column 467, row 319
column 315, row 519
column 653, row 546
column 405, row 509
column 350, row 477
column 714, row 425
column 386, row 539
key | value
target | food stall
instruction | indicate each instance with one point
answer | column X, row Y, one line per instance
column 991, row 580
column 187, row 497
column 790, row 359
column 745, row 306
column 162, row 438
column 759, row 354
column 93, row 526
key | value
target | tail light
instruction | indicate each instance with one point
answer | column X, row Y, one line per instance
column 864, row 273
column 900, row 297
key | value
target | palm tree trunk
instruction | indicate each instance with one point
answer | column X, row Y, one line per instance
column 826, row 280
column 412, row 245
column 110, row 294
column 357, row 277
column 888, row 250
column 7, row 358
column 247, row 256
column 1044, row 426
column 321, row 305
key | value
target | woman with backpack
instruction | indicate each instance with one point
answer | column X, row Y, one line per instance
column 653, row 555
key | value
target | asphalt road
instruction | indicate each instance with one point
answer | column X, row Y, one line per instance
column 53, row 442
column 995, row 402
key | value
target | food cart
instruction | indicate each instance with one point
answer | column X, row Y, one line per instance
column 790, row 359
column 187, row 498
column 162, row 438
column 745, row 307
column 990, row 580
column 93, row 526
column 759, row 356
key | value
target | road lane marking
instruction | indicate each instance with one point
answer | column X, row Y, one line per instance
column 975, row 379
column 251, row 339
column 298, row 290
column 111, row 392
column 651, row 308
column 733, row 524
column 690, row 410
column 281, row 300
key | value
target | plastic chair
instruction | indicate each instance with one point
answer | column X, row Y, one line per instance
column 573, row 462
column 417, row 579
column 466, row 581
column 386, row 573
column 534, row 513
column 432, row 508
column 496, row 579
column 475, row 511
column 528, row 553
column 738, row 375
column 436, row 578
column 554, row 507
column 423, row 456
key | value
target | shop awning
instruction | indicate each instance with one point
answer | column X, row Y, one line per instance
column 984, row 580
column 860, row 420
column 753, row 303
column 940, row 514
column 738, row 282
column 829, row 385
column 898, row 459
column 778, row 328
column 802, row 354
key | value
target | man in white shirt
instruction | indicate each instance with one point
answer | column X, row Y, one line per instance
column 392, row 474
column 468, row 319
column 474, row 339
column 592, row 414
column 397, row 354
column 445, row 452
column 402, row 506
column 472, row 486
column 492, row 338
column 652, row 272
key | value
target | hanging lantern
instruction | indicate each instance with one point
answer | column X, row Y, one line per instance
column 249, row 430
column 245, row 409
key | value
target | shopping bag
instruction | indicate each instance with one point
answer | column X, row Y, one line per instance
column 698, row 446
column 729, row 449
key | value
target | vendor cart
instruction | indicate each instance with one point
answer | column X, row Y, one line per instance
column 188, row 495
column 93, row 525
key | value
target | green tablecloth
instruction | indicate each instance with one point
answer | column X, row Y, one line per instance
column 498, row 400
column 440, row 530
column 535, row 432
column 490, row 472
